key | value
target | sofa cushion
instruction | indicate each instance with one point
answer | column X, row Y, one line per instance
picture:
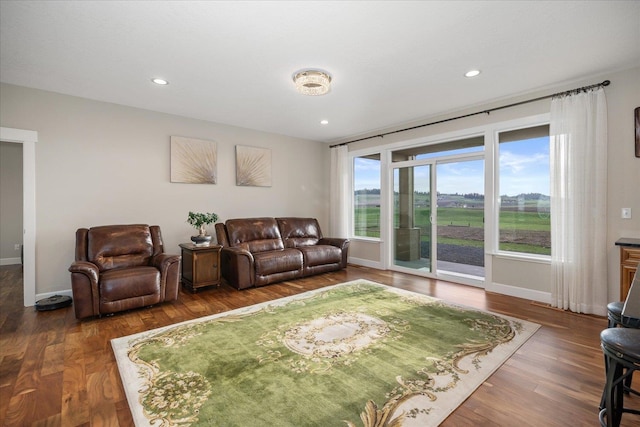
column 297, row 232
column 119, row 284
column 272, row 262
column 119, row 246
column 254, row 234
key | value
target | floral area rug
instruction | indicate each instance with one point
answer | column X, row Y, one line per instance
column 354, row 354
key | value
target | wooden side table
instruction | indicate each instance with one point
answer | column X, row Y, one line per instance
column 629, row 259
column 200, row 266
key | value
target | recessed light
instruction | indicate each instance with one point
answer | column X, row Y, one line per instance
column 159, row 81
column 324, row 122
column 472, row 73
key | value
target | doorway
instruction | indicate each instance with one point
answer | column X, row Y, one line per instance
column 11, row 203
column 28, row 140
column 438, row 209
column 412, row 219
column 460, row 217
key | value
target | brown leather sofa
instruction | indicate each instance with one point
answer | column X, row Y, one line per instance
column 120, row 267
column 260, row 251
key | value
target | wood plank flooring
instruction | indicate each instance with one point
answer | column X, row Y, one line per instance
column 58, row 371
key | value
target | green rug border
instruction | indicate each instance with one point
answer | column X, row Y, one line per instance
column 129, row 371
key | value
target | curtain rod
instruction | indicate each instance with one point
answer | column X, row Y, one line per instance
column 567, row 92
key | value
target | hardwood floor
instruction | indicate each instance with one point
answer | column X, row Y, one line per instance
column 57, row 371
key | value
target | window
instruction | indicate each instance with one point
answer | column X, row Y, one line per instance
column 524, row 187
column 443, row 149
column 366, row 196
column 517, row 198
column 438, row 207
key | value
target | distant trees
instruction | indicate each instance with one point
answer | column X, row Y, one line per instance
column 368, row 191
column 527, row 196
column 473, row 196
column 469, row 196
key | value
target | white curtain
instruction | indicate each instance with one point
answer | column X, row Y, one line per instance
column 339, row 192
column 578, row 131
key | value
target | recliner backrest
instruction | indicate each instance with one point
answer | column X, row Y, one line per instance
column 297, row 232
column 254, row 234
column 120, row 246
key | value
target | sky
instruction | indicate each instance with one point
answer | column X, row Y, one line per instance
column 524, row 168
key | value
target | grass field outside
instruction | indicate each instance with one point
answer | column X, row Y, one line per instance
column 525, row 224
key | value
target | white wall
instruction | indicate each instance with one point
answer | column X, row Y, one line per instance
column 99, row 163
column 10, row 202
column 531, row 279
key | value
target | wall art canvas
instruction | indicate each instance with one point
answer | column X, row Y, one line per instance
column 193, row 160
column 253, row 166
column 637, row 123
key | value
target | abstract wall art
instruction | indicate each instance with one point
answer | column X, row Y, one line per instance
column 253, row 166
column 193, row 160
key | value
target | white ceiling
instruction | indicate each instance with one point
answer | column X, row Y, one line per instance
column 232, row 62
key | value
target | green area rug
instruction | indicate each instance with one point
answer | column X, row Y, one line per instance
column 354, row 354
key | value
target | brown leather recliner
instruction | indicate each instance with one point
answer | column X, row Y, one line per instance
column 261, row 251
column 120, row 267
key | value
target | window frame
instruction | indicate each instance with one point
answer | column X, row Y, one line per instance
column 352, row 199
column 494, row 233
column 491, row 132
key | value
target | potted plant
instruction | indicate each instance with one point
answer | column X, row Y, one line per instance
column 199, row 220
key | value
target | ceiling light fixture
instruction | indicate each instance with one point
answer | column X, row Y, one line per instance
column 312, row 82
column 159, row 81
column 324, row 122
column 472, row 73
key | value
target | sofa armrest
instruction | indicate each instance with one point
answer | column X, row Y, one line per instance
column 334, row 241
column 169, row 266
column 343, row 244
column 221, row 234
column 84, row 285
column 237, row 267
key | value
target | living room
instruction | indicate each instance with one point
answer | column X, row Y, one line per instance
column 98, row 162
column 87, row 138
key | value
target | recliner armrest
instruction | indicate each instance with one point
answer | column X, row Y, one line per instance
column 84, row 285
column 237, row 267
column 343, row 244
column 169, row 266
column 87, row 268
column 162, row 261
column 335, row 241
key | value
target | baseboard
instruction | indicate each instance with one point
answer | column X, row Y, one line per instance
column 514, row 291
column 66, row 292
column 365, row 263
column 10, row 261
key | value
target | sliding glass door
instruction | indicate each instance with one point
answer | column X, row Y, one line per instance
column 412, row 217
column 460, row 217
column 438, row 208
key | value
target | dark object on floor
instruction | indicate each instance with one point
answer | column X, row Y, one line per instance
column 54, row 302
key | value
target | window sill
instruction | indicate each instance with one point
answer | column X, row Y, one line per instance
column 542, row 259
column 365, row 239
